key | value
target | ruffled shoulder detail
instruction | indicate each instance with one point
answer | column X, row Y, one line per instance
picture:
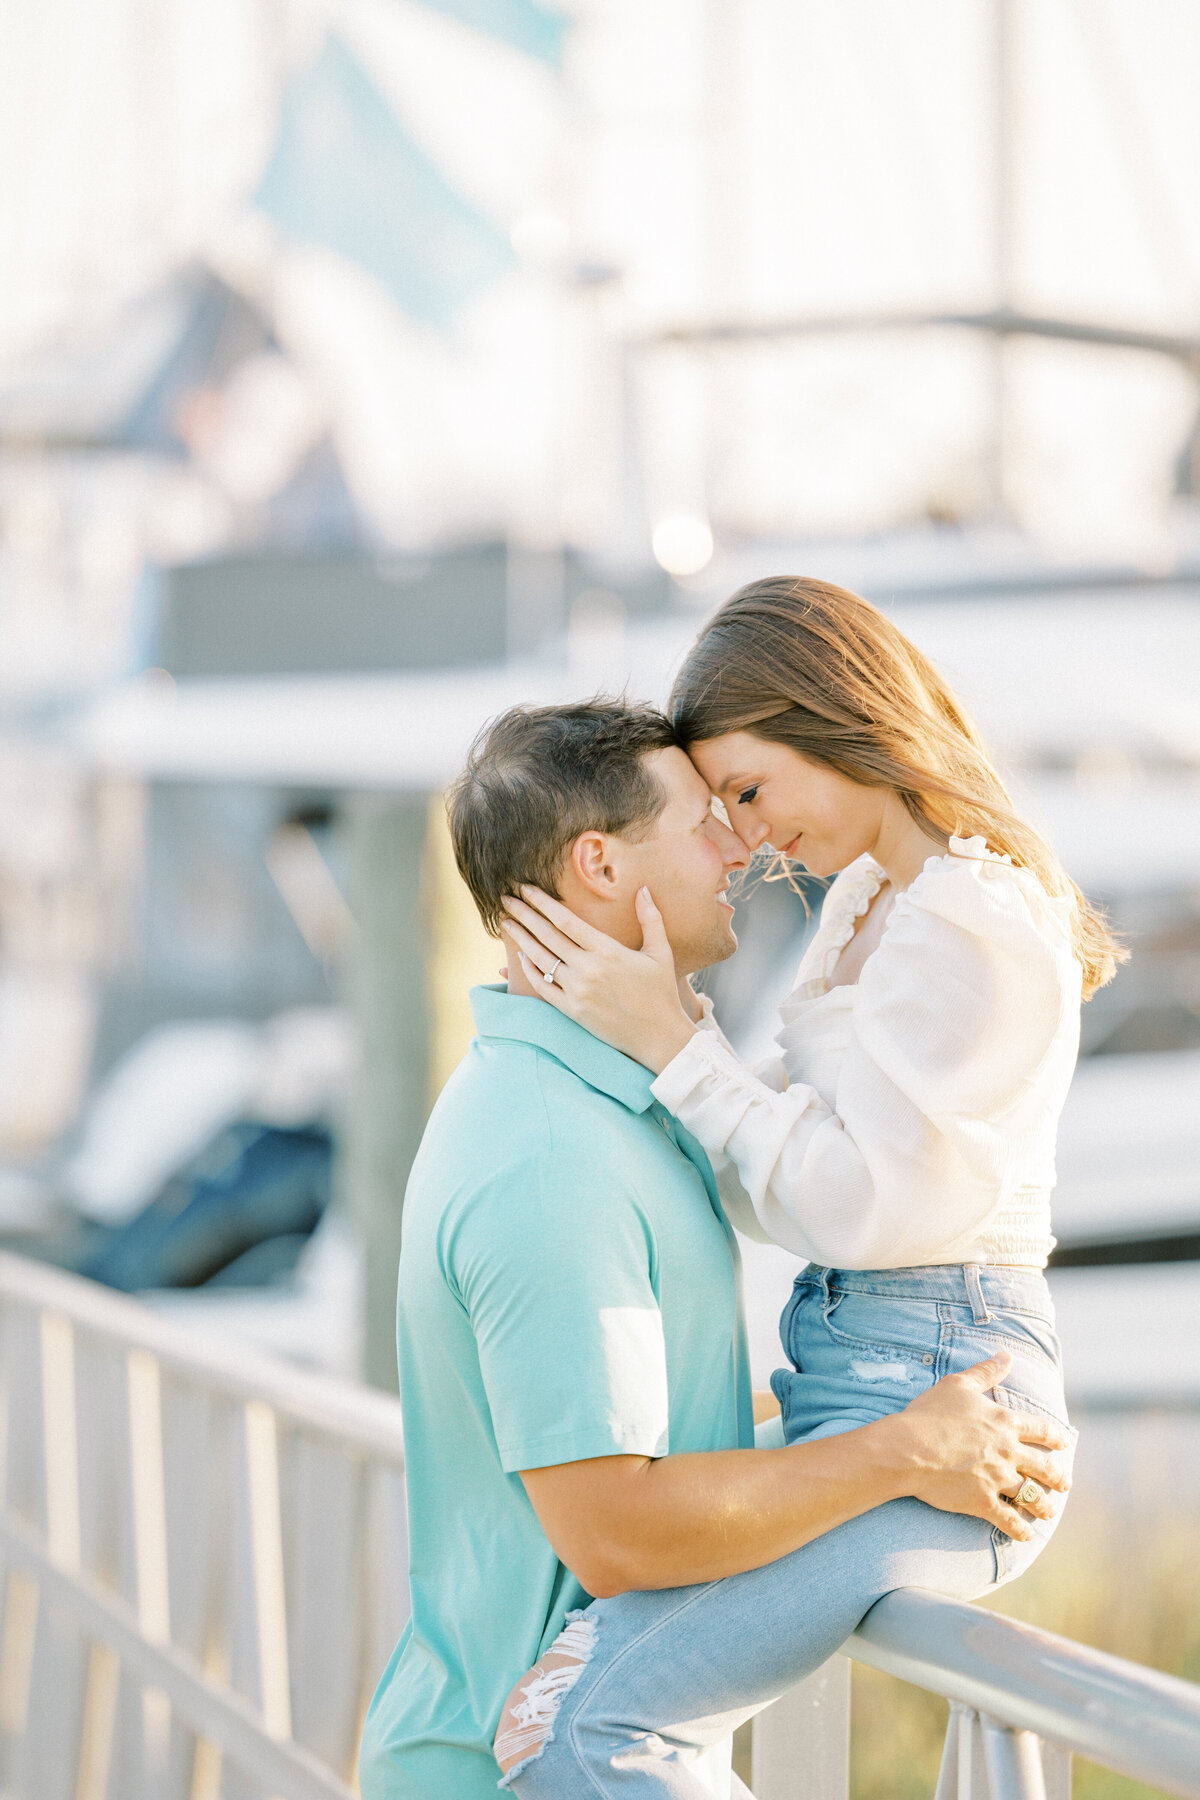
column 845, row 902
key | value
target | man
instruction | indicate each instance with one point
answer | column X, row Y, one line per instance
column 578, row 1414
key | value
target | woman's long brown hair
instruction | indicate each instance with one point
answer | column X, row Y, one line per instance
column 813, row 666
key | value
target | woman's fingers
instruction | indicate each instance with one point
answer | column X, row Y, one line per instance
column 540, row 928
column 569, row 923
column 530, row 950
column 548, row 990
column 655, row 941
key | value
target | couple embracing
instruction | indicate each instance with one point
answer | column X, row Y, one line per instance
column 590, row 1499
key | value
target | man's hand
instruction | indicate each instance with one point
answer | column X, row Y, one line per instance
column 963, row 1451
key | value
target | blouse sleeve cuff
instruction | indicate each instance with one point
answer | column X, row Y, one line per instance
column 705, row 1062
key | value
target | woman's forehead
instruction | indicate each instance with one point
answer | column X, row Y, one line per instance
column 722, row 761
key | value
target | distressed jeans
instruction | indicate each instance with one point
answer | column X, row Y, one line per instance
column 670, row 1674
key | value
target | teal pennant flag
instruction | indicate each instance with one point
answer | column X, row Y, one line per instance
column 345, row 173
column 538, row 30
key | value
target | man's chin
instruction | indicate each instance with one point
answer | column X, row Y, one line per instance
column 716, row 949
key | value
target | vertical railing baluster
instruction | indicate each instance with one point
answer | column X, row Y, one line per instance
column 1014, row 1762
column 16, row 1652
column 99, row 1723
column 147, row 1496
column 947, row 1781
column 267, row 1571
column 48, row 1761
column 323, row 1548
column 972, row 1769
column 1056, row 1768
column 59, row 1440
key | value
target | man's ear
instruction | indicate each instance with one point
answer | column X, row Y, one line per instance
column 591, row 863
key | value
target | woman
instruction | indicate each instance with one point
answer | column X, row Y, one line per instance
column 902, row 1142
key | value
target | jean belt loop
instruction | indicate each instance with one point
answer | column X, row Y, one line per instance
column 828, row 1298
column 979, row 1306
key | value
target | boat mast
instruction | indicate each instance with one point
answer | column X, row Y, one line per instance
column 723, row 247
column 1002, row 57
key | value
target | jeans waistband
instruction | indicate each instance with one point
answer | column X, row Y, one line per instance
column 957, row 1284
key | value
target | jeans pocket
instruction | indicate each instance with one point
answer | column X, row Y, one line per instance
column 1035, row 1376
column 837, row 1381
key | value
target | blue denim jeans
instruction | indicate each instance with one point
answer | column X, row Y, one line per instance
column 671, row 1673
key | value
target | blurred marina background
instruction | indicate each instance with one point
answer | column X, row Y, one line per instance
column 367, row 366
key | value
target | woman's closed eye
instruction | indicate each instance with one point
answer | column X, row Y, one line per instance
column 747, row 795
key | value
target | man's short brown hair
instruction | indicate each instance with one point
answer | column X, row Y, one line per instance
column 536, row 778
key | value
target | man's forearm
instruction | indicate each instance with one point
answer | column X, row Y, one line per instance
column 700, row 1517
column 623, row 1522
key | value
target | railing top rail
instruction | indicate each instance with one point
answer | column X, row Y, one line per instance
column 1135, row 1720
column 358, row 1417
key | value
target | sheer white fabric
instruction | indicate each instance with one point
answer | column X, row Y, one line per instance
column 909, row 1118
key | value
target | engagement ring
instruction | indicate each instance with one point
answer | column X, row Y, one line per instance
column 548, row 977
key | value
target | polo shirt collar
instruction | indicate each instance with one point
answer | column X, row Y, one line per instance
column 499, row 1014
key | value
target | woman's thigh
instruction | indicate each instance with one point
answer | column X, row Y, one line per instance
column 673, row 1672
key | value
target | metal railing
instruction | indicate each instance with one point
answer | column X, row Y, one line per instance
column 204, row 1557
column 202, row 1573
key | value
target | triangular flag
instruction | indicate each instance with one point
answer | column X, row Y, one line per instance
column 346, row 174
column 538, row 30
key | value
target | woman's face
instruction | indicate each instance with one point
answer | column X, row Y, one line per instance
column 776, row 796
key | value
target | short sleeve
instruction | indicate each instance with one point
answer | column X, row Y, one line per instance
column 557, row 1277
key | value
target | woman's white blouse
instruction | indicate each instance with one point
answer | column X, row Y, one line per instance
column 910, row 1117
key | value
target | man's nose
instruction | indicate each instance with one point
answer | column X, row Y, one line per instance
column 752, row 837
column 735, row 853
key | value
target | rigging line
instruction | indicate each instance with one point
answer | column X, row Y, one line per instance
column 1152, row 194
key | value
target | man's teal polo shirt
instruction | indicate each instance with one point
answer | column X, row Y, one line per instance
column 569, row 1288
